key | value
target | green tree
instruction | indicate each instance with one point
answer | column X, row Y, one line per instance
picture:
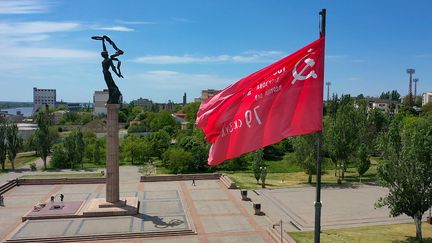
column 258, row 163
column 177, row 160
column 331, row 106
column 306, row 154
column 79, row 147
column 89, row 141
column 390, row 95
column 238, row 163
column 132, row 148
column 3, row 145
column 86, row 117
column 274, row 152
column 198, row 148
column 70, row 117
column 13, row 141
column 74, row 148
column 98, row 152
column 408, row 175
column 122, row 116
column 29, row 143
column 385, row 95
column 163, row 120
column 160, row 142
column 45, row 135
column 363, row 162
column 378, row 122
column 191, row 110
column 263, row 176
column 59, row 157
column 389, row 143
column 394, row 95
column 342, row 134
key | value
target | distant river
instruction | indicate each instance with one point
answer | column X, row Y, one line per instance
column 26, row 111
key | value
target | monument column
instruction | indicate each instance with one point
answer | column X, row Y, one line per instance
column 112, row 164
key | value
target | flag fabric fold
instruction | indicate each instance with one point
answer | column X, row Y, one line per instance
column 281, row 100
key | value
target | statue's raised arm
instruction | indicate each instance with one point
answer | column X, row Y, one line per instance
column 107, row 63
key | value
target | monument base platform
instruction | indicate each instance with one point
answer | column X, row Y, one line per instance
column 100, row 207
column 82, row 209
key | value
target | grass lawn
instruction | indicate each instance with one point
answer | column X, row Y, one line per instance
column 63, row 175
column 383, row 233
column 64, row 134
column 21, row 160
column 247, row 180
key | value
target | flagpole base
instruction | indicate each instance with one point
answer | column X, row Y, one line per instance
column 317, row 232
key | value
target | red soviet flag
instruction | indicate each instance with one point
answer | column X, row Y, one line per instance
column 281, row 100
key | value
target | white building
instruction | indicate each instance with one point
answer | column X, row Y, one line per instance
column 427, row 97
column 26, row 129
column 383, row 106
column 42, row 97
column 100, row 99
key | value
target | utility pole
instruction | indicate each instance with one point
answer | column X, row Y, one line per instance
column 415, row 89
column 410, row 71
column 328, row 90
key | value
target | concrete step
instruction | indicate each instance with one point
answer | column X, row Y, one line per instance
column 104, row 236
column 62, row 181
column 274, row 233
column 228, row 182
column 7, row 186
column 180, row 177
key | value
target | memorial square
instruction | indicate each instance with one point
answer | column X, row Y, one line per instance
column 215, row 121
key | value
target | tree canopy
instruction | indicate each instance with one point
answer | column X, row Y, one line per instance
column 407, row 171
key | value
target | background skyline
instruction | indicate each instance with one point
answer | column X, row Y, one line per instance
column 172, row 47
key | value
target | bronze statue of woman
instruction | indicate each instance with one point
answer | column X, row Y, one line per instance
column 107, row 63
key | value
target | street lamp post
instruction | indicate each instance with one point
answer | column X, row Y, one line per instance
column 328, row 90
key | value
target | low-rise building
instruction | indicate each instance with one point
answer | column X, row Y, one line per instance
column 383, row 105
column 205, row 94
column 26, row 129
column 142, row 102
column 427, row 98
column 18, row 117
column 100, row 99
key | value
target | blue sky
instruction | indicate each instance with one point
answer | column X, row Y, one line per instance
column 172, row 47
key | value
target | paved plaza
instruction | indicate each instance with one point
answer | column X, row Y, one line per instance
column 341, row 207
column 209, row 211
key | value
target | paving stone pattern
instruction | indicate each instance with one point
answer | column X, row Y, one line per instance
column 208, row 208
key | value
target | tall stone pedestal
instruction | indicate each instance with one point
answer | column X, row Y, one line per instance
column 112, row 161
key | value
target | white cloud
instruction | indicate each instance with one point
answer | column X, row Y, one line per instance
column 24, row 45
column 115, row 28
column 172, row 79
column 36, row 27
column 23, row 6
column 160, row 85
column 247, row 57
column 336, row 56
column 344, row 58
column 424, row 55
column 181, row 20
column 40, row 52
column 135, row 22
